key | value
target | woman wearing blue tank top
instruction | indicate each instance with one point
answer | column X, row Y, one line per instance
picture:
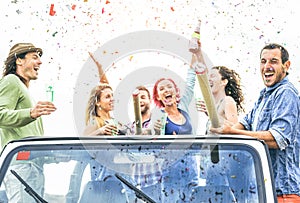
column 166, row 96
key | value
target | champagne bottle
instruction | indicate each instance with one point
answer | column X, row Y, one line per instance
column 193, row 44
column 163, row 122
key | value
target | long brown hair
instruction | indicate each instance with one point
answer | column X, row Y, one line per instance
column 95, row 95
column 11, row 67
column 233, row 87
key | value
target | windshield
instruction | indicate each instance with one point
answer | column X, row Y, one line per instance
column 137, row 172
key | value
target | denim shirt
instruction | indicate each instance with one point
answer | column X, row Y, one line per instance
column 278, row 111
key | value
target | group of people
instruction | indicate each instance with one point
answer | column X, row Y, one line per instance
column 226, row 90
column 275, row 117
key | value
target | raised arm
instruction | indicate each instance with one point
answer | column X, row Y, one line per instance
column 102, row 76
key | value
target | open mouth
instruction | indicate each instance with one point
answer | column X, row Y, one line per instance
column 168, row 98
column 269, row 73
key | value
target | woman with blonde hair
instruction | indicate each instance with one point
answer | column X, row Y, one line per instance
column 98, row 118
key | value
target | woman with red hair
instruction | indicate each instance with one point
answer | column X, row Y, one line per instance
column 166, row 96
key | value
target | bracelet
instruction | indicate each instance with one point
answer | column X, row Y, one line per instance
column 199, row 67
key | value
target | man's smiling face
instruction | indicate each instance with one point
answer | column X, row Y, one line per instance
column 29, row 66
column 271, row 67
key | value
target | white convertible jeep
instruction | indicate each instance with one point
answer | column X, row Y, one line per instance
column 139, row 169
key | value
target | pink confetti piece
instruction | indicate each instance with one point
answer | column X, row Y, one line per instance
column 256, row 28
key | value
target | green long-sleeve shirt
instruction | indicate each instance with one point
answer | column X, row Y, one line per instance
column 15, row 104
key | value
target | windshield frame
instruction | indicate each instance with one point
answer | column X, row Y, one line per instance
column 127, row 143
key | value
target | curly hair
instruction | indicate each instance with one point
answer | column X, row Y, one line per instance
column 233, row 87
column 91, row 109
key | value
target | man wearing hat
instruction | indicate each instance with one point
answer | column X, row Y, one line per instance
column 19, row 115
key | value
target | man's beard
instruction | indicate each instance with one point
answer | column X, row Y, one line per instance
column 145, row 109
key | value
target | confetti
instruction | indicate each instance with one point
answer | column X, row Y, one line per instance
column 52, row 12
column 228, row 29
column 256, row 28
column 53, row 35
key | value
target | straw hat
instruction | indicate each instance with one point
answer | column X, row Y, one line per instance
column 21, row 48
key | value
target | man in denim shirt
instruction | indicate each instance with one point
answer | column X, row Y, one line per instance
column 275, row 119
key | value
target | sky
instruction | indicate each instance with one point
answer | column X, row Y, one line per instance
column 232, row 34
